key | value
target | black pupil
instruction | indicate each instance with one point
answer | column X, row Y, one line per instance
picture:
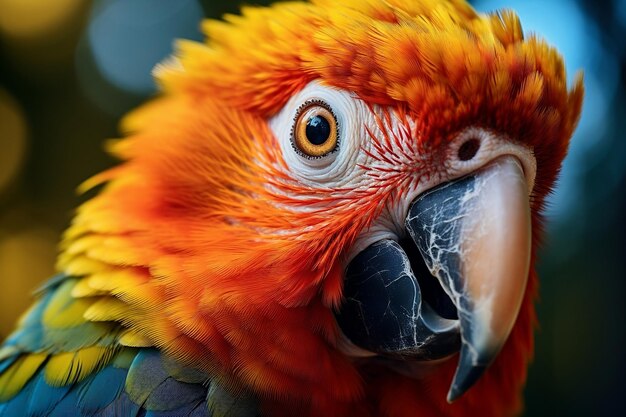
column 317, row 130
column 469, row 149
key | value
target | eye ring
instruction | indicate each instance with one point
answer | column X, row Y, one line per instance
column 315, row 132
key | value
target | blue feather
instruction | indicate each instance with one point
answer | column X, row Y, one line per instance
column 67, row 406
column 18, row 405
column 171, row 395
column 101, row 389
column 121, row 407
column 28, row 339
column 146, row 373
column 151, row 385
column 30, row 332
column 51, row 284
column 201, row 410
column 34, row 317
column 197, row 409
column 44, row 397
column 5, row 363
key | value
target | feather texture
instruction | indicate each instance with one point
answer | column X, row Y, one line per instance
column 202, row 279
column 93, row 376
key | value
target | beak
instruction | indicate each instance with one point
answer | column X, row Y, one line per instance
column 474, row 237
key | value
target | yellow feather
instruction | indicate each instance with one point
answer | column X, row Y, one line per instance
column 113, row 279
column 133, row 339
column 126, row 285
column 81, row 265
column 63, row 310
column 108, row 309
column 17, row 375
column 117, row 252
column 70, row 367
column 82, row 289
column 83, row 244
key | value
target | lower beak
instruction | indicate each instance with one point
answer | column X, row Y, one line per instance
column 474, row 237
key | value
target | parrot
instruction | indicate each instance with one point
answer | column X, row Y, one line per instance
column 329, row 209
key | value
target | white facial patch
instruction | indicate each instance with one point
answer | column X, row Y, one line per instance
column 339, row 169
column 374, row 148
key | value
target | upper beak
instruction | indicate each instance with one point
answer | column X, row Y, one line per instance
column 474, row 235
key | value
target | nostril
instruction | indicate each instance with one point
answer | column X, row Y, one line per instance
column 469, row 149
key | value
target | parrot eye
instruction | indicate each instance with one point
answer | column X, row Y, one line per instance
column 315, row 131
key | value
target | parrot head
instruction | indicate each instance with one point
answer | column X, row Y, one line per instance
column 335, row 204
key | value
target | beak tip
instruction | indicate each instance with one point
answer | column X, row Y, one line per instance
column 463, row 381
column 453, row 395
column 465, row 376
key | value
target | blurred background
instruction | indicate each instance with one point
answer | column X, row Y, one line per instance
column 70, row 68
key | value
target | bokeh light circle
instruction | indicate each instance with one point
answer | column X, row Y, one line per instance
column 35, row 18
column 128, row 38
column 26, row 258
column 13, row 139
